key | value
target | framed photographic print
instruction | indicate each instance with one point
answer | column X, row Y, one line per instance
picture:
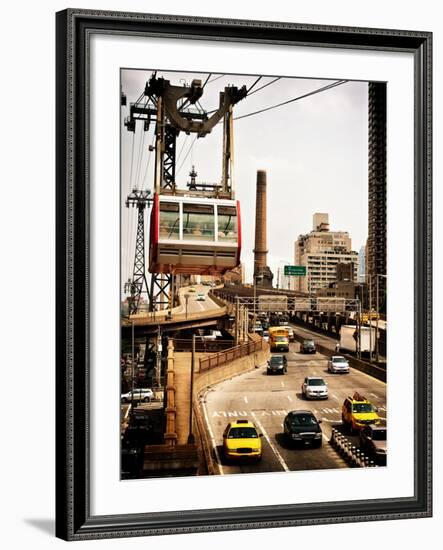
column 243, row 274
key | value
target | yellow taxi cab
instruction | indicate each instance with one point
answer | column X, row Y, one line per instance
column 241, row 440
column 358, row 412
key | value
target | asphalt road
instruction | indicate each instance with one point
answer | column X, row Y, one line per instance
column 194, row 305
column 266, row 399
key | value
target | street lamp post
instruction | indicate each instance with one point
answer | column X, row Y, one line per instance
column 378, row 313
column 359, row 331
column 186, row 302
column 370, row 318
column 191, row 439
column 132, row 371
column 255, row 298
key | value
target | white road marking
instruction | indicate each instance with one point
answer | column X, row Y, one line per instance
column 373, row 395
column 289, row 398
column 211, row 435
column 282, row 384
column 334, row 396
column 127, row 411
column 245, row 398
column 277, row 454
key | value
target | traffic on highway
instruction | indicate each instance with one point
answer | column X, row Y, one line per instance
column 291, row 416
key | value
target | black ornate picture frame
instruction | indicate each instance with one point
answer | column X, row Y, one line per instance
column 73, row 517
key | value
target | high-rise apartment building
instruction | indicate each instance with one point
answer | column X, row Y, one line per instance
column 376, row 245
column 320, row 251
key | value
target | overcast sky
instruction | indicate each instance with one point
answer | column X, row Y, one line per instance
column 314, row 151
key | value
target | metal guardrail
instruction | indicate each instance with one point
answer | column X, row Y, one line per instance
column 349, row 452
column 223, row 357
column 202, row 346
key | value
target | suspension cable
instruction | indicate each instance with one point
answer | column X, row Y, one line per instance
column 264, row 86
column 324, row 88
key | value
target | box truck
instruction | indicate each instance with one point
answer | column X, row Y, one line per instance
column 349, row 335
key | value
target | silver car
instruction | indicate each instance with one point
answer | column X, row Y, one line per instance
column 314, row 387
column 140, row 394
column 338, row 364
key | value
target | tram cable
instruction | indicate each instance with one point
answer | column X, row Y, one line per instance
column 324, row 88
column 264, row 86
column 253, row 85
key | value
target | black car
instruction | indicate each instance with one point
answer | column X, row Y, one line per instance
column 301, row 427
column 307, row 346
column 373, row 443
column 278, row 364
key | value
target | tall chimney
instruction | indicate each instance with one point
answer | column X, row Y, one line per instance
column 262, row 274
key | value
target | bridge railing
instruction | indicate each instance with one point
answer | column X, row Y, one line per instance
column 226, row 356
column 204, row 345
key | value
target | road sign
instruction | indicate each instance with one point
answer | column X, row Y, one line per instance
column 273, row 302
column 295, row 270
column 336, row 305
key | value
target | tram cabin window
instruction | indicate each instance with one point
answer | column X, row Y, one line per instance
column 198, row 222
column 227, row 223
column 169, row 226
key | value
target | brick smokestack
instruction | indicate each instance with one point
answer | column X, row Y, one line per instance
column 262, row 273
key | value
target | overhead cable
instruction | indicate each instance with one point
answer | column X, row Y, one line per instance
column 264, row 85
column 324, row 88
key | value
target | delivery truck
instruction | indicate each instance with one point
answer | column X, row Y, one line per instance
column 349, row 335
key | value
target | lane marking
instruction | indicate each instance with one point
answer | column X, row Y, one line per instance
column 335, row 397
column 245, row 398
column 277, row 454
column 127, row 411
column 283, row 384
column 289, row 398
column 373, row 395
column 211, row 435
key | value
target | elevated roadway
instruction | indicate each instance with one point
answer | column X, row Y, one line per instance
column 266, row 399
column 193, row 313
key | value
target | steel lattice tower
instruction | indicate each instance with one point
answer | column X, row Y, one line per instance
column 139, row 283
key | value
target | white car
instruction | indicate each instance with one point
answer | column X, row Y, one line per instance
column 314, row 387
column 140, row 394
column 338, row 364
column 201, row 297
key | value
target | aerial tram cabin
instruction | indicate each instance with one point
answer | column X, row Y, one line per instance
column 194, row 235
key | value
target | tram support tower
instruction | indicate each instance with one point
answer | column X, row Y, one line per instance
column 138, row 285
column 195, row 230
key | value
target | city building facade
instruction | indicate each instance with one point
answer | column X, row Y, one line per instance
column 376, row 245
column 320, row 251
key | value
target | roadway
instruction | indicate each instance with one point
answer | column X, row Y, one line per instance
column 266, row 399
column 195, row 305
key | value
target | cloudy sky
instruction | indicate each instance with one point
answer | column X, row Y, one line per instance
column 314, row 151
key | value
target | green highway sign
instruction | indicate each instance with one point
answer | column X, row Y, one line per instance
column 297, row 270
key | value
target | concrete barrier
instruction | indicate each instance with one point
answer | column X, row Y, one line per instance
column 215, row 375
